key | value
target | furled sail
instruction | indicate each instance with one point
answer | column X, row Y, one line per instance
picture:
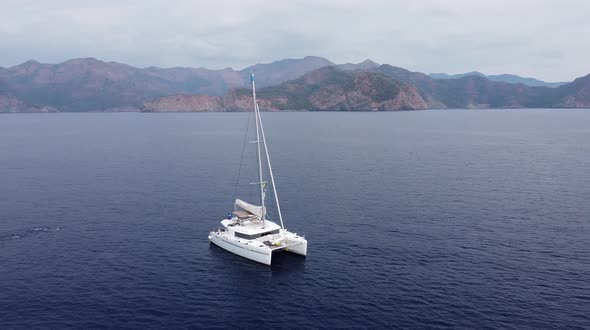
column 253, row 209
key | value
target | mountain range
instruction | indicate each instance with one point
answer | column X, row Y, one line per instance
column 311, row 83
column 508, row 78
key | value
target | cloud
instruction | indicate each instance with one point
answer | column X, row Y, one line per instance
column 540, row 38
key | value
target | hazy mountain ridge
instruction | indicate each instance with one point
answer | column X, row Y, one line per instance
column 325, row 89
column 479, row 92
column 270, row 74
column 364, row 65
column 88, row 84
column 388, row 88
column 507, row 78
column 311, row 83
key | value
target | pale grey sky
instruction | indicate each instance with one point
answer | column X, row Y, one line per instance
column 546, row 39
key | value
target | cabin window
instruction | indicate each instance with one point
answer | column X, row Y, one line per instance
column 272, row 232
column 240, row 235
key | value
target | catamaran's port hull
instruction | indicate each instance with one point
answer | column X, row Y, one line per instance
column 261, row 255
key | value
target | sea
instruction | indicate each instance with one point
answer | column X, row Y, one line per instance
column 415, row 220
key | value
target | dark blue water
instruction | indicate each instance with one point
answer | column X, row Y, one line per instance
column 430, row 219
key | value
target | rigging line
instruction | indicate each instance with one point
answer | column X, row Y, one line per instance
column 272, row 178
column 241, row 160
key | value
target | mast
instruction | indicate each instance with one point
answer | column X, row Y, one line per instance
column 272, row 178
column 258, row 153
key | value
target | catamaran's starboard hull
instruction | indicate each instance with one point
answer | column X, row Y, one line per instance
column 300, row 248
column 262, row 256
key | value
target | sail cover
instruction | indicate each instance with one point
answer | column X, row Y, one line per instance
column 254, row 209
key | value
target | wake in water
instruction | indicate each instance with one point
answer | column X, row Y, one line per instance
column 14, row 234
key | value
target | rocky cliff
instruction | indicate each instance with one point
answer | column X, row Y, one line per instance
column 573, row 95
column 12, row 104
column 185, row 103
column 232, row 101
column 326, row 89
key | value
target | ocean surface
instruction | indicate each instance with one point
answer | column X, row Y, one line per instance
column 426, row 219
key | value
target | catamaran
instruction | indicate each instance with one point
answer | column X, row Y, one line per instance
column 247, row 231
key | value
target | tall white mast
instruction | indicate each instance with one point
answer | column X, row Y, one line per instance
column 272, row 178
column 258, row 153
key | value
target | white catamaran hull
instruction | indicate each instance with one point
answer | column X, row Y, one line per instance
column 259, row 255
column 299, row 248
column 256, row 249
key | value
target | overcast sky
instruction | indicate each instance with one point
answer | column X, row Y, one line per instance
column 540, row 38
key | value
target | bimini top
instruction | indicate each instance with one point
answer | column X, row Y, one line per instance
column 249, row 208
